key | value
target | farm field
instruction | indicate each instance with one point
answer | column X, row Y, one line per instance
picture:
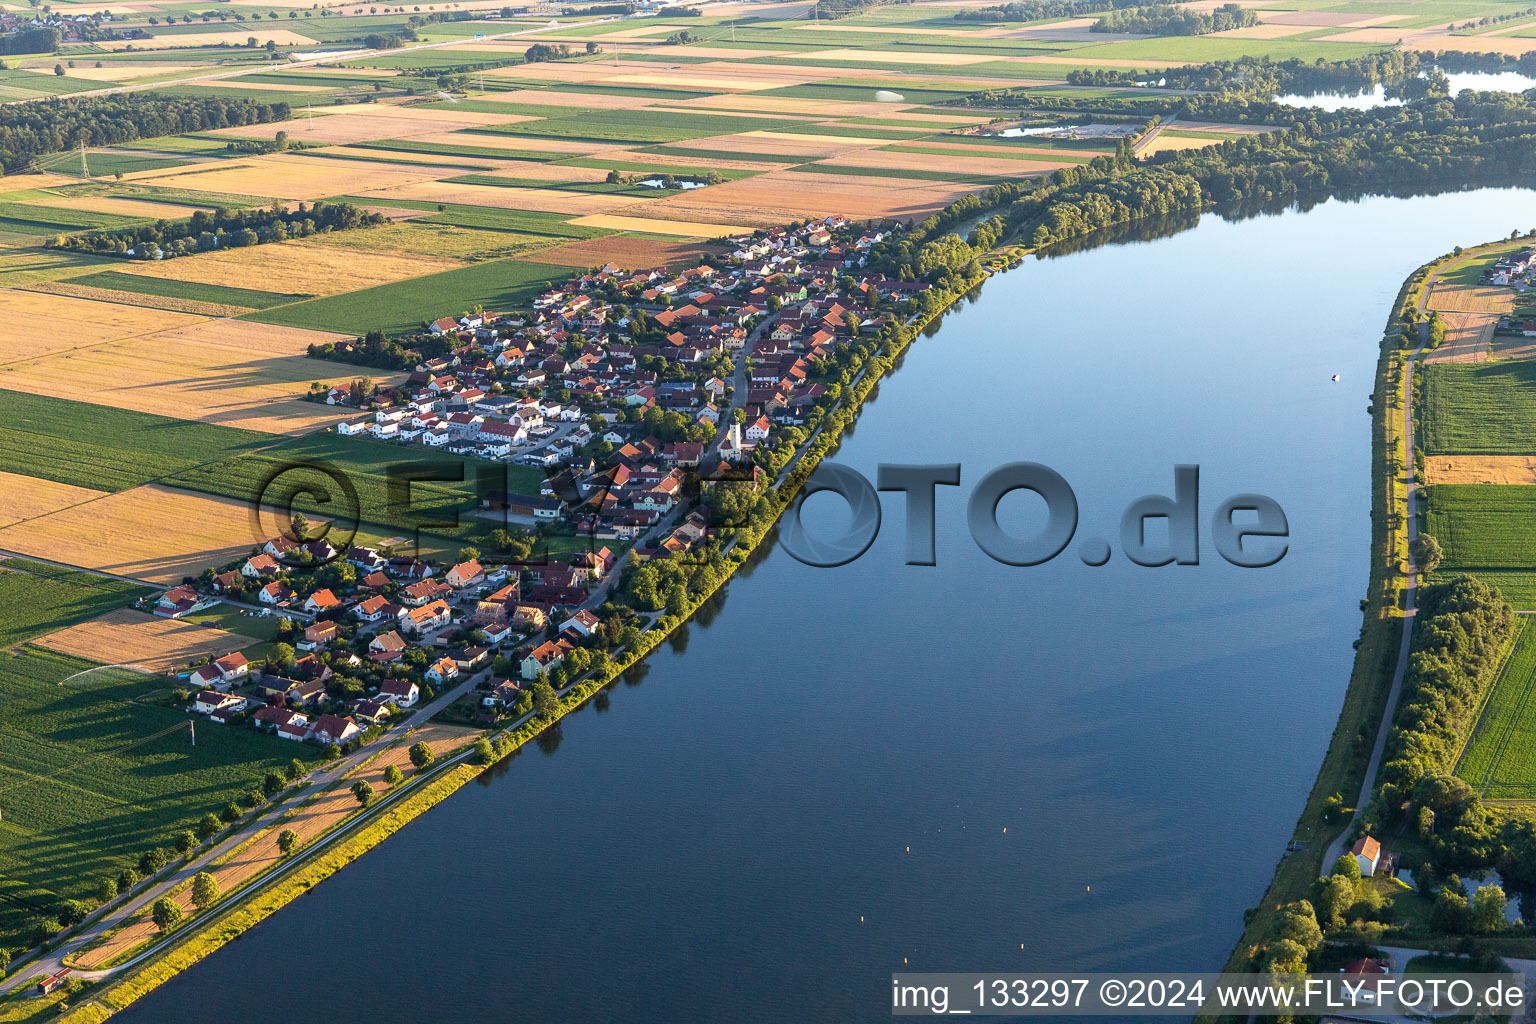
column 1500, row 758
column 36, row 599
column 153, row 533
column 1488, row 531
column 142, row 640
column 91, row 780
column 1479, row 408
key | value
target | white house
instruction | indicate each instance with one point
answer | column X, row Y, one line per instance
column 1367, row 853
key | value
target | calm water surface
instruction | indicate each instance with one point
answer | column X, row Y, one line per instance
column 725, row 838
column 1481, row 81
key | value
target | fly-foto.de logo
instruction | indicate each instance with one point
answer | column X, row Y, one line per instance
column 1248, row 530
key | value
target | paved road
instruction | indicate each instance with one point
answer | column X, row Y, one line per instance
column 1400, row 670
column 257, row 820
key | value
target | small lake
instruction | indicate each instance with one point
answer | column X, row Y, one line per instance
column 833, row 774
column 1481, row 81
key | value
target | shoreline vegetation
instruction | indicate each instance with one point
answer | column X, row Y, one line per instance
column 1435, row 144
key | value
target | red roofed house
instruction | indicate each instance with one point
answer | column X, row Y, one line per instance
column 443, row 670
column 322, row 601
column 331, row 729
column 465, row 574
column 545, row 657
column 1367, row 852
column 583, row 622
column 401, row 692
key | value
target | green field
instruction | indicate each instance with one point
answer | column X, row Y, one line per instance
column 1479, row 408
column 1488, row 531
column 36, row 599
column 167, row 287
column 405, row 305
column 104, row 448
column 366, row 464
column 1500, row 758
column 90, row 780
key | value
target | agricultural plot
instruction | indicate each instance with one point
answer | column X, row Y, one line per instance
column 37, row 599
column 152, row 533
column 24, row 497
column 90, row 779
column 1488, row 531
column 406, row 305
column 106, row 449
column 1500, row 759
column 129, row 637
column 1479, row 408
column 301, row 265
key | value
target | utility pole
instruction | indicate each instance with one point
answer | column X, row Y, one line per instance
column 193, row 726
column 85, row 172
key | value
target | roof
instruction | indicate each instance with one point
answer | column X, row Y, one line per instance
column 1367, row 847
column 1366, row 966
column 397, row 687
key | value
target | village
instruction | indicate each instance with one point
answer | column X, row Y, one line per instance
column 632, row 394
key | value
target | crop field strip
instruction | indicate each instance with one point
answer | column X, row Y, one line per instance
column 1479, row 408
column 1500, row 757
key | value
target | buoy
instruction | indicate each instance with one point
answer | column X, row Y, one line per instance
column 909, row 849
column 1335, row 377
column 1087, row 888
column 1005, row 830
column 861, row 919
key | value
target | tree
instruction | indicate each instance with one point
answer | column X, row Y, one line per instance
column 152, row 861
column 185, row 840
column 1427, row 553
column 421, row 755
column 72, row 912
column 273, row 784
column 127, row 879
column 1347, row 866
column 1335, row 896
column 469, row 554
column 287, row 841
column 208, row 826
column 205, row 890
column 332, row 751
column 1488, row 905
column 282, row 654
column 484, row 752
column 545, row 701
column 167, row 913
column 1450, row 914
column 363, row 790
column 393, row 775
column 230, row 813
column 106, row 890
column 58, row 69
column 295, row 770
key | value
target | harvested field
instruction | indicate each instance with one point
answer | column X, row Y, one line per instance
column 629, row 253
column 153, row 533
column 288, row 176
column 835, row 57
column 229, row 372
column 1263, row 31
column 1467, row 336
column 789, row 105
column 25, row 497
column 128, row 637
column 1471, row 298
column 120, row 72
column 369, row 123
column 665, row 159
column 759, row 143
column 299, row 265
column 961, row 166
column 125, row 207
column 1164, row 142
column 109, row 295
column 783, row 196
column 316, row 816
column 235, row 83
column 679, row 228
column 561, row 97
column 509, row 198
column 1480, row 469
column 37, row 324
column 236, row 37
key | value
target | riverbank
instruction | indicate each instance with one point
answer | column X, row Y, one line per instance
column 148, row 969
column 1347, row 766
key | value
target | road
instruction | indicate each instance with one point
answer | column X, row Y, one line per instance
column 1400, row 670
column 257, row 820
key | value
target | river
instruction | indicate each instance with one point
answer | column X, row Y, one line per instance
column 1480, row 81
column 836, row 773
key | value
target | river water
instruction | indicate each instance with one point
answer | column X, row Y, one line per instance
column 1481, row 81
column 836, row 773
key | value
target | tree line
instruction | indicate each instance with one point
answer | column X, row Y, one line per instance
column 1040, row 10
column 828, row 10
column 30, row 130
column 221, row 229
column 1165, row 20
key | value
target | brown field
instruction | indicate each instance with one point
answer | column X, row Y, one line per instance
column 128, row 637
column 119, row 72
column 898, row 56
column 694, row 162
column 368, row 123
column 235, row 83
column 1472, row 298
column 680, row 228
column 297, row 266
column 629, row 253
column 318, row 815
column 560, row 97
column 788, row 105
column 555, row 172
column 25, row 497
column 1261, row 31
column 152, row 533
column 286, row 177
column 1220, row 126
column 234, row 37
column 229, row 372
column 126, row 207
column 789, row 195
column 1480, row 469
column 546, row 200
column 1467, row 337
column 1164, row 142
column 37, row 324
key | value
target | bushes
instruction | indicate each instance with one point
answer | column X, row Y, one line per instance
column 1170, row 21
column 221, row 229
